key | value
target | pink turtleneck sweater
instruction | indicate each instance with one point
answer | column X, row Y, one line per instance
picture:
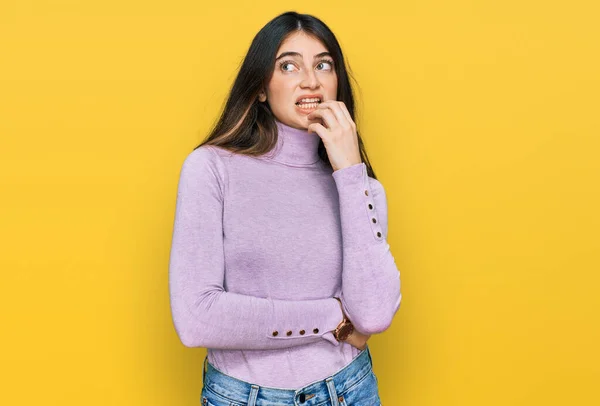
column 260, row 248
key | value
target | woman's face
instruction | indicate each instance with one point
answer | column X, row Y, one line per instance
column 303, row 68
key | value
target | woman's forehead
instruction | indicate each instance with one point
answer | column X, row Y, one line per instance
column 301, row 42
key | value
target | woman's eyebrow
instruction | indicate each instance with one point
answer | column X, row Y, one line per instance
column 295, row 54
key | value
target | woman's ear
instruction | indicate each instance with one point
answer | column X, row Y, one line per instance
column 262, row 96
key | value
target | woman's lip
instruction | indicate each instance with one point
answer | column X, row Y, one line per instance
column 316, row 96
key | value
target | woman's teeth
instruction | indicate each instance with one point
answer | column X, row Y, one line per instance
column 308, row 103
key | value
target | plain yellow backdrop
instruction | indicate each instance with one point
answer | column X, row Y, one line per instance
column 481, row 119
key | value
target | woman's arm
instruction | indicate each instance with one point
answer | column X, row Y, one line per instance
column 370, row 279
column 204, row 314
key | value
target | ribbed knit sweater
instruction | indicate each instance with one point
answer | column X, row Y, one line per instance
column 260, row 248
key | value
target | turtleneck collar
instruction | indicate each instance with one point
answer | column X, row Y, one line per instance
column 295, row 147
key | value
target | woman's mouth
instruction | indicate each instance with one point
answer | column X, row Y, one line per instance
column 308, row 105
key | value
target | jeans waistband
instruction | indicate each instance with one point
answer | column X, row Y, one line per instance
column 314, row 393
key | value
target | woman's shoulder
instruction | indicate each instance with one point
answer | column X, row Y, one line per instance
column 208, row 155
column 205, row 163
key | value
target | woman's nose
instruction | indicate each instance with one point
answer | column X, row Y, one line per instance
column 310, row 80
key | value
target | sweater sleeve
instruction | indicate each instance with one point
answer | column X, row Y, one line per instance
column 370, row 279
column 204, row 313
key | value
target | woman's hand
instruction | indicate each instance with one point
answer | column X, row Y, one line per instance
column 339, row 133
column 358, row 340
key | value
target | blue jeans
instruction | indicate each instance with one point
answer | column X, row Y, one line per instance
column 353, row 385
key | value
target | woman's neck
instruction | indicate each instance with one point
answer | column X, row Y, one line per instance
column 295, row 146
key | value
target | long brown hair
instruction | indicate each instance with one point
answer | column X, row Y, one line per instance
column 246, row 125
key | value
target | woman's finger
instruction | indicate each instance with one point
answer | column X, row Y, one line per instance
column 319, row 130
column 347, row 113
column 329, row 119
column 334, row 106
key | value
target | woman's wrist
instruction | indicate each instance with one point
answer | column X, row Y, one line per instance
column 345, row 327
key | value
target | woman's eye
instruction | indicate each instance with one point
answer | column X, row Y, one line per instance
column 283, row 65
column 325, row 62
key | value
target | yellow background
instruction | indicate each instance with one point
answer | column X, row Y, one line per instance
column 481, row 119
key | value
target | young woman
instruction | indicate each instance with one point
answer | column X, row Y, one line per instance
column 279, row 263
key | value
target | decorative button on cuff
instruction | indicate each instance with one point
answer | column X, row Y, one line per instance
column 371, row 209
column 290, row 333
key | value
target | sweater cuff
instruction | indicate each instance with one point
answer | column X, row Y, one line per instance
column 315, row 318
column 329, row 337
